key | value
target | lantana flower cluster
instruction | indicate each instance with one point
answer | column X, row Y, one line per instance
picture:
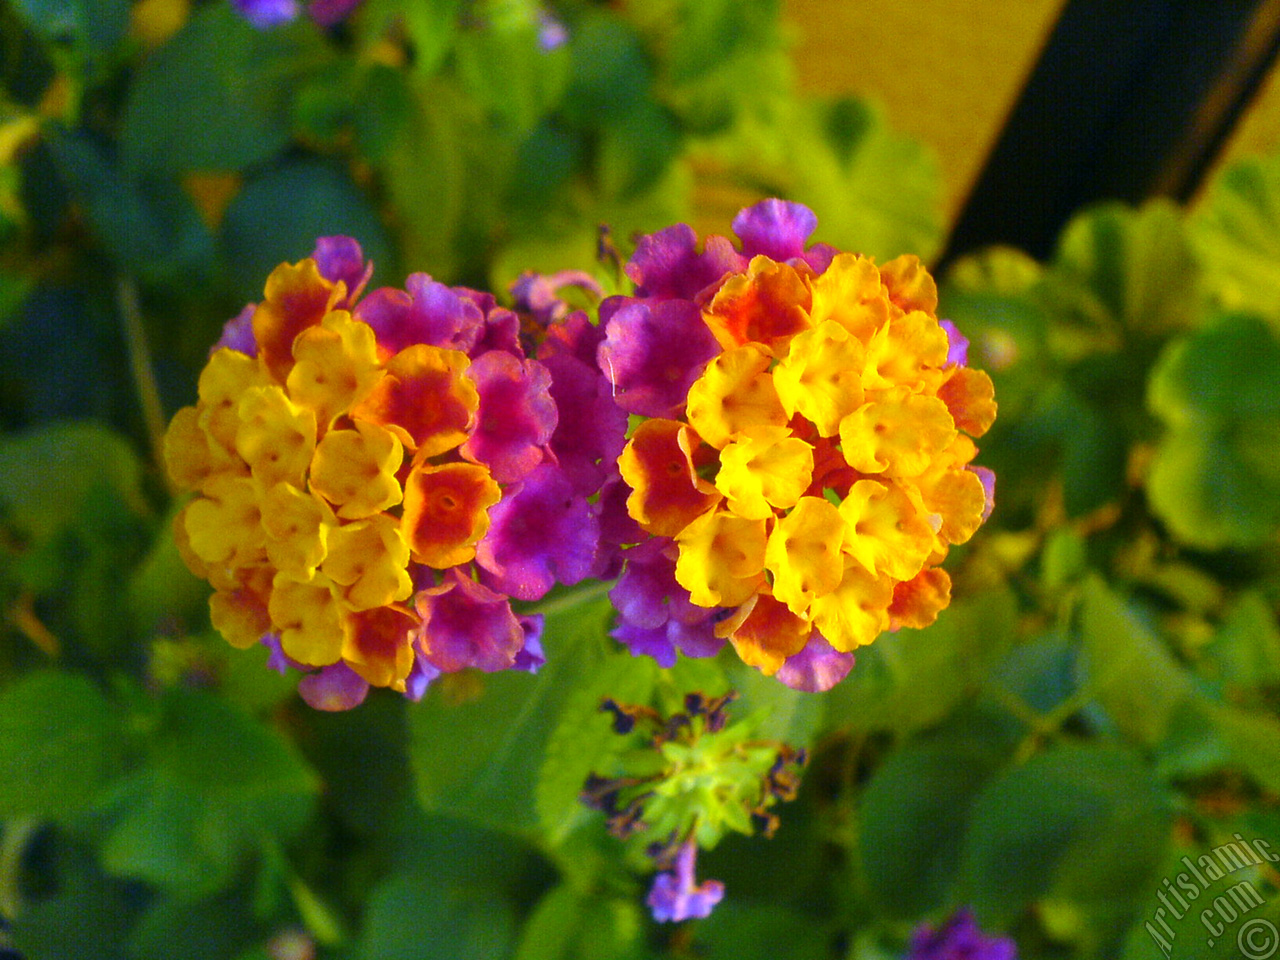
column 378, row 478
column 805, row 461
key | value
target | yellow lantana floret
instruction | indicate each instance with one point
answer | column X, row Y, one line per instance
column 298, row 525
column 276, row 436
column 336, row 365
column 762, row 470
column 821, row 376
column 736, row 392
column 721, row 560
column 804, row 553
column 355, row 470
column 367, row 558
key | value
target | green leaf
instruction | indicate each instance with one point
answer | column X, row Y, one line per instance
column 88, row 919
column 212, row 98
column 1090, row 444
column 1245, row 651
column 507, row 71
column 776, row 711
column 429, row 137
column 431, row 25
column 1131, row 672
column 60, row 745
column 1214, row 479
column 210, row 747
column 911, row 679
column 762, row 932
column 171, row 838
column 279, row 214
column 873, row 190
column 413, row 917
column 1252, row 740
column 611, row 75
column 90, row 26
column 914, row 814
column 39, row 495
column 480, row 759
column 219, row 784
column 583, row 741
column 1236, row 232
column 1132, row 268
column 147, row 225
column 1086, row 823
column 162, row 588
column 636, row 150
column 567, row 925
column 212, row 929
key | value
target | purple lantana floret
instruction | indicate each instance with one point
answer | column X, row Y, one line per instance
column 538, row 294
column 656, row 618
column 516, row 417
column 425, row 311
column 543, row 533
column 341, row 259
column 676, row 895
column 237, row 333
column 668, row 265
column 653, row 352
column 465, row 624
column 333, row 688
column 265, row 14
column 959, row 939
column 817, row 667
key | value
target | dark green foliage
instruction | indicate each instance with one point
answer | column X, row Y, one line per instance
column 1098, row 702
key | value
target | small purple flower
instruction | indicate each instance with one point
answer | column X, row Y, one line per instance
column 501, row 331
column 957, row 344
column 778, row 229
column 333, row 688
column 653, row 352
column 667, row 264
column 237, row 333
column 575, row 335
column 421, row 675
column 540, row 533
column 531, row 657
column 517, row 415
column 465, row 624
column 424, row 312
column 340, row 258
column 592, row 429
column 539, row 293
column 988, row 478
column 656, row 618
column 265, row 14
column 817, row 667
column 552, row 34
column 959, row 939
column 676, row 895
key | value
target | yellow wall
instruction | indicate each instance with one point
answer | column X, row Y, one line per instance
column 947, row 71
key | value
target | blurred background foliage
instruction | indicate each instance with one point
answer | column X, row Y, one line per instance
column 1098, row 703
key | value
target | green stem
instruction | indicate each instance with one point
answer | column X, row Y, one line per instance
column 144, row 380
column 12, row 844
